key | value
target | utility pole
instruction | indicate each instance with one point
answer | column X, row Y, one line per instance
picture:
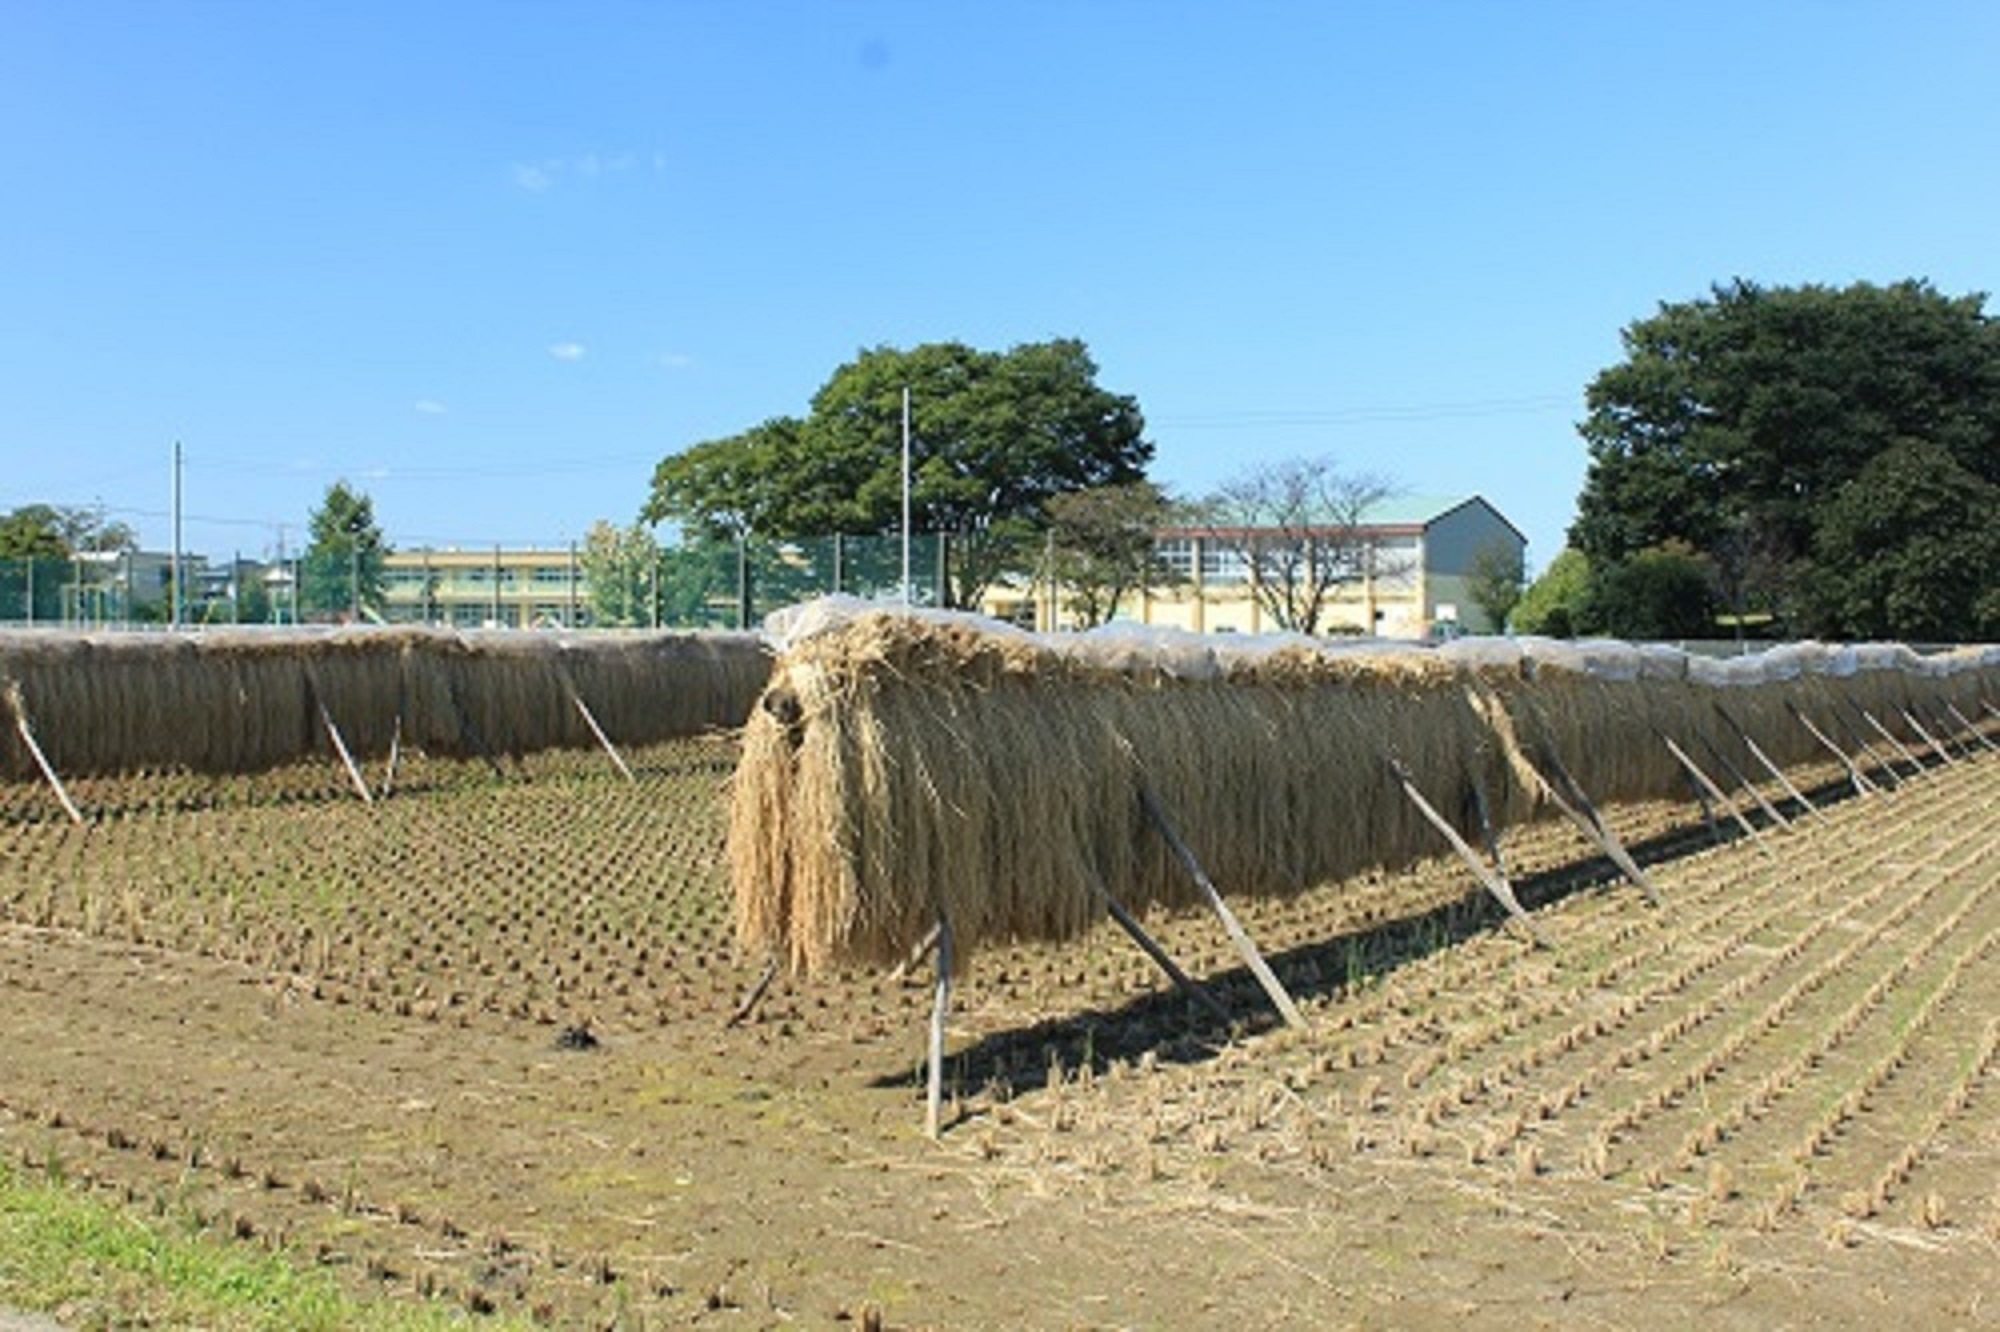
column 174, row 607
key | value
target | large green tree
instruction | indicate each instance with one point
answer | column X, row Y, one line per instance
column 342, row 572
column 1735, row 421
column 994, row 436
column 1911, row 549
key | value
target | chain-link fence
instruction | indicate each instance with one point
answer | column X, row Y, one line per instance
column 696, row 584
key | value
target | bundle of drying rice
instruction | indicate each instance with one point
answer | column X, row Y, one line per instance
column 906, row 767
column 242, row 700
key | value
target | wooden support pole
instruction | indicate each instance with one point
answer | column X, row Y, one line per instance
column 1736, row 775
column 917, row 954
column 395, row 755
column 1244, row 945
column 1575, row 804
column 1703, row 780
column 1949, row 729
column 1861, row 746
column 940, row 1007
column 1757, row 752
column 354, row 777
column 1971, row 726
column 1151, row 947
column 590, row 720
column 1916, row 764
column 27, row 733
column 1862, row 785
column 1926, row 736
column 754, row 995
column 1489, row 831
column 1496, row 884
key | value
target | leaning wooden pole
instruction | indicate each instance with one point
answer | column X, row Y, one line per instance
column 27, row 733
column 1757, row 752
column 1237, row 934
column 940, row 1008
column 1924, row 734
column 1860, row 780
column 1886, row 767
column 1183, row 982
column 1738, row 776
column 755, row 994
column 590, row 720
column 354, row 775
column 1973, row 727
column 1575, row 804
column 1715, row 792
column 1496, row 884
column 1916, row 764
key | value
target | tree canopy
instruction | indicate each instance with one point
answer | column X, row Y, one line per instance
column 53, row 532
column 1101, row 545
column 994, row 436
column 1738, row 424
column 343, row 568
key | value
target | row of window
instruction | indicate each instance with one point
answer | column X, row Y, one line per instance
column 1390, row 560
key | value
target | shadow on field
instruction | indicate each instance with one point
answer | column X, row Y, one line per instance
column 1174, row 1029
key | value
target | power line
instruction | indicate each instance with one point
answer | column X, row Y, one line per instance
column 1284, row 418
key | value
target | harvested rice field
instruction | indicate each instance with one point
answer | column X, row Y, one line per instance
column 470, row 1043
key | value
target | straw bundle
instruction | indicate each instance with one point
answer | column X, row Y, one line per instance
column 245, row 700
column 901, row 768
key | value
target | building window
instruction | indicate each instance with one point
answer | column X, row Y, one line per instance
column 1176, row 557
column 1222, row 564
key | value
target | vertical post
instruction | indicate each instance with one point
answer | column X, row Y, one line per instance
column 906, row 495
column 497, row 621
column 570, row 622
column 174, row 608
column 743, row 606
column 940, row 1006
column 838, row 559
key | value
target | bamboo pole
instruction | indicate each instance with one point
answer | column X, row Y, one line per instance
column 1497, row 885
column 27, row 733
column 1237, row 935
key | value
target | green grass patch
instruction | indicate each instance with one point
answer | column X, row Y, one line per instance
column 94, row 1265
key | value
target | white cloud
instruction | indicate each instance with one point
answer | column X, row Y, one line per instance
column 533, row 178
column 675, row 360
column 566, row 351
column 429, row 407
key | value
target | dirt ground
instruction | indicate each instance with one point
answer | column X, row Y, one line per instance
column 470, row 1043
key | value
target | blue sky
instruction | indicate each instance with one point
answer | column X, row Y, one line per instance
column 491, row 261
